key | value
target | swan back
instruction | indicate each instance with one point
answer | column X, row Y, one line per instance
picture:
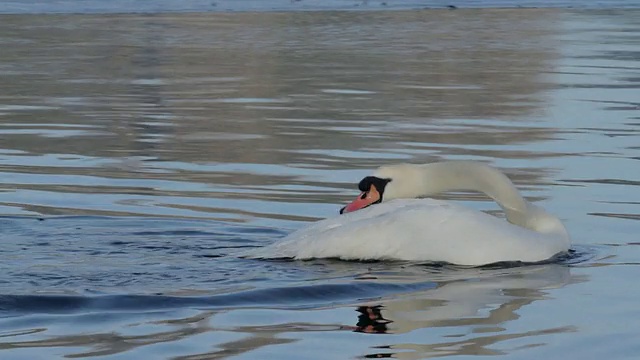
column 415, row 230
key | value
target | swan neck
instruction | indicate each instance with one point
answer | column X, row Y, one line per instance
column 469, row 176
column 437, row 178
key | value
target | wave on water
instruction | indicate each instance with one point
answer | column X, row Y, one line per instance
column 283, row 297
column 363, row 288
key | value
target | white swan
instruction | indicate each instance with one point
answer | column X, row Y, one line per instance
column 390, row 223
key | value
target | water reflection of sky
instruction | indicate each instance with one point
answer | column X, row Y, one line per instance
column 317, row 113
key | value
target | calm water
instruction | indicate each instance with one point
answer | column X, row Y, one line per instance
column 140, row 153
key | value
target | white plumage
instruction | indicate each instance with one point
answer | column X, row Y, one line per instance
column 431, row 230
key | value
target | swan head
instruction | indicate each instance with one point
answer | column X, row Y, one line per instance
column 387, row 183
column 372, row 191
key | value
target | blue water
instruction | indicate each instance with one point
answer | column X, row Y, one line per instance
column 140, row 154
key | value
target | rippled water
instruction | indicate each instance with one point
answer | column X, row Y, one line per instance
column 140, row 153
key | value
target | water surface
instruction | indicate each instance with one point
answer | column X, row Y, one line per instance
column 139, row 154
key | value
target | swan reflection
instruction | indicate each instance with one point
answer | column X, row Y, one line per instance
column 370, row 320
column 464, row 316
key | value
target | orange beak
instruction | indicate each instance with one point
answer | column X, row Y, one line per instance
column 365, row 199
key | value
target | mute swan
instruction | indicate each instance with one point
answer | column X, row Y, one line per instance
column 387, row 221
